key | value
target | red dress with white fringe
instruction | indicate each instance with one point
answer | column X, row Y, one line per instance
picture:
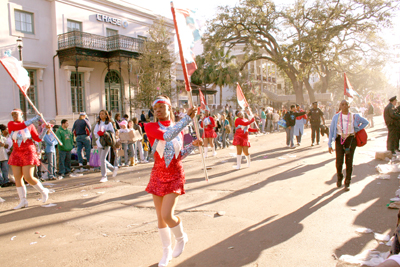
column 164, row 180
column 25, row 153
column 209, row 124
column 241, row 137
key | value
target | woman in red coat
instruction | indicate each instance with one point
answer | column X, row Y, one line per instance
column 208, row 124
column 167, row 178
column 24, row 156
column 241, row 138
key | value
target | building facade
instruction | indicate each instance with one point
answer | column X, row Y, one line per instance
column 79, row 55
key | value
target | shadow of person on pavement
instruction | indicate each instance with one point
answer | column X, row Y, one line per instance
column 376, row 217
column 279, row 177
column 248, row 244
column 360, row 172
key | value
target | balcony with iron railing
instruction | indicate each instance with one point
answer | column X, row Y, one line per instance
column 77, row 39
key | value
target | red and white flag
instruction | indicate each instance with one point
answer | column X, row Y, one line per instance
column 17, row 72
column 189, row 35
column 203, row 103
column 348, row 89
column 241, row 98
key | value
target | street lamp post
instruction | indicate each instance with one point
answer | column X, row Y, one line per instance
column 20, row 45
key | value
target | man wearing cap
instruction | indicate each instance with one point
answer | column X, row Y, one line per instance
column 81, row 130
column 314, row 116
column 391, row 120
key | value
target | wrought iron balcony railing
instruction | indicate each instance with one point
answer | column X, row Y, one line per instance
column 98, row 42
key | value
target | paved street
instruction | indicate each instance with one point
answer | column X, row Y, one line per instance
column 283, row 211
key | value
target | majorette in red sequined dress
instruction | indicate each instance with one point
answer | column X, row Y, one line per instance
column 241, row 137
column 166, row 139
column 24, row 150
column 209, row 124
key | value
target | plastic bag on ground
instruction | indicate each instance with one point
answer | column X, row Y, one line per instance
column 366, row 258
column 381, row 237
column 387, row 168
column 363, row 230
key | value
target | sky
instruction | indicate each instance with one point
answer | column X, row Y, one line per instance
column 206, row 9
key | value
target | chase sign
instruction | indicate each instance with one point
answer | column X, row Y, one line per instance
column 113, row 21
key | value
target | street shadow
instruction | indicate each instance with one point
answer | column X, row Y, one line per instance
column 376, row 217
column 282, row 176
column 358, row 172
column 247, row 245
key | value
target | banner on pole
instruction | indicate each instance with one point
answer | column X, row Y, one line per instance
column 19, row 75
column 241, row 98
column 189, row 35
column 348, row 89
column 203, row 103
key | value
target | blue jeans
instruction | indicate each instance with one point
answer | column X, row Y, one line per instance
column 289, row 136
column 128, row 151
column 4, row 172
column 51, row 160
column 104, row 163
column 83, row 141
column 65, row 161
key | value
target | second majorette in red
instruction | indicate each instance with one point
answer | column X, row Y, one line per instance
column 208, row 123
column 167, row 177
column 24, row 157
column 241, row 138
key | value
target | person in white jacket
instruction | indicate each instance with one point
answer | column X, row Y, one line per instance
column 104, row 124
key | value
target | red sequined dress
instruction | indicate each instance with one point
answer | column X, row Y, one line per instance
column 165, row 179
column 209, row 124
column 24, row 150
column 241, row 137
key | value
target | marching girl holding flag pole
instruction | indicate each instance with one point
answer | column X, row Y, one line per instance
column 167, row 178
column 24, row 156
column 241, row 138
column 242, row 126
column 208, row 124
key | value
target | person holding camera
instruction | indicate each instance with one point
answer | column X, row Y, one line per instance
column 343, row 128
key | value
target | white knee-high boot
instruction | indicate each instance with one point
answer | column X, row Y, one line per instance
column 181, row 239
column 44, row 191
column 239, row 161
column 205, row 152
column 214, row 153
column 248, row 160
column 23, row 203
column 165, row 235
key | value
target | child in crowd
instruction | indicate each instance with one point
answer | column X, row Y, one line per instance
column 131, row 145
column 126, row 145
column 4, row 182
column 50, row 150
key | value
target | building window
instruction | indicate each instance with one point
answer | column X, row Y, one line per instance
column 73, row 26
column 31, row 93
column 112, row 84
column 111, row 32
column 23, row 21
column 77, row 92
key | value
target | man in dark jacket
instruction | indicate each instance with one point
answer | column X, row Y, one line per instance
column 391, row 121
column 314, row 116
column 290, row 118
column 81, row 130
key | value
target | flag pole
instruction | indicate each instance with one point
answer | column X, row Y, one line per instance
column 188, row 89
column 41, row 116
